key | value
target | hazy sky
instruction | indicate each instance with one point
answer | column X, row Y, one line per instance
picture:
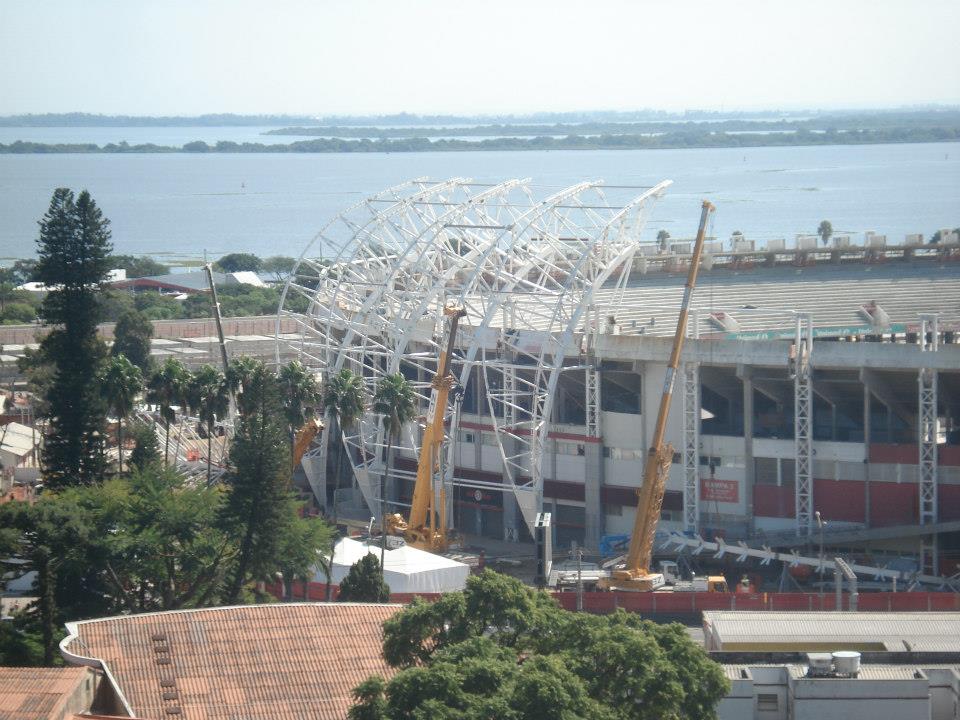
column 373, row 56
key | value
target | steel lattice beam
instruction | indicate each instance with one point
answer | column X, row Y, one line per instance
column 803, row 423
column 928, row 428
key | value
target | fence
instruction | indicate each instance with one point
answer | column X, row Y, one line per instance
column 683, row 603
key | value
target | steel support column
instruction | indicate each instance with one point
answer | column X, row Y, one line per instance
column 928, row 431
column 803, row 422
column 594, row 461
column 691, row 437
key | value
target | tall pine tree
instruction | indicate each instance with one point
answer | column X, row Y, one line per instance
column 73, row 251
column 260, row 507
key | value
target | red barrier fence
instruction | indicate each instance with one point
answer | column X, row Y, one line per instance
column 687, row 602
column 681, row 603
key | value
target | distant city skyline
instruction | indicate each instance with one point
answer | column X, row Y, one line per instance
column 299, row 57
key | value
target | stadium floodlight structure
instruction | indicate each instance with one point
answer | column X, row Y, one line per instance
column 367, row 294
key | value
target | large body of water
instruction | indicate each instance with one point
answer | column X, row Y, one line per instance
column 183, row 204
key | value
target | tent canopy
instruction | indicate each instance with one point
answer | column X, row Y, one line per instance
column 407, row 569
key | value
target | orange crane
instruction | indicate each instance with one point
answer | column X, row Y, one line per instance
column 427, row 527
column 636, row 574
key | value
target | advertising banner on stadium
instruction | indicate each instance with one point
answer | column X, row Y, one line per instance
column 714, row 490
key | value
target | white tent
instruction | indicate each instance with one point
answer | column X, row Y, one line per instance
column 408, row 570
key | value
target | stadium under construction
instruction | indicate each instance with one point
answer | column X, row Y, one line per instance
column 818, row 398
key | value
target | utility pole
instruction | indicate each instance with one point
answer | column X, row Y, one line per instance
column 820, row 523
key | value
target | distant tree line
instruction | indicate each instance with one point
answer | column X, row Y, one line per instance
column 19, row 307
column 700, row 137
column 825, row 122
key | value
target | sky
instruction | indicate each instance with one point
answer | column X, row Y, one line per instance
column 322, row 57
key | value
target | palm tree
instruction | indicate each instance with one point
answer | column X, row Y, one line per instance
column 209, row 398
column 394, row 399
column 168, row 387
column 301, row 395
column 121, row 382
column 825, row 231
column 239, row 374
column 344, row 396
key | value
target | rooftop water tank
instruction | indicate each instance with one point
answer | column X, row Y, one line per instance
column 846, row 662
column 821, row 664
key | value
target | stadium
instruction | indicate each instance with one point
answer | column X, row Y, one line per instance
column 820, row 383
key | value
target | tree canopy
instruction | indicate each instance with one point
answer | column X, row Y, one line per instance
column 139, row 265
column 364, row 582
column 238, row 262
column 502, row 650
column 131, row 338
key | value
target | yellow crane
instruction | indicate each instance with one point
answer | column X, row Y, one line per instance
column 427, row 527
column 636, row 574
column 305, row 435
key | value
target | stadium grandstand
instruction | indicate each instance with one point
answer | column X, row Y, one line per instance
column 816, row 381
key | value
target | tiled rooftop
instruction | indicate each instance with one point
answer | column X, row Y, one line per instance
column 32, row 693
column 288, row 661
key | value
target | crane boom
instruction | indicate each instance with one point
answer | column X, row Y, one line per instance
column 636, row 575
column 427, row 526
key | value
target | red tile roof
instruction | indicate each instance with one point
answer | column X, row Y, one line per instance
column 32, row 693
column 271, row 662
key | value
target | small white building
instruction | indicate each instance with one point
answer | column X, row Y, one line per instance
column 18, row 453
column 876, row 692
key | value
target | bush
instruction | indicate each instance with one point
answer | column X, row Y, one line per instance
column 364, row 582
column 18, row 313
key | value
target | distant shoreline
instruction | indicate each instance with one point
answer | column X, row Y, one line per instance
column 669, row 140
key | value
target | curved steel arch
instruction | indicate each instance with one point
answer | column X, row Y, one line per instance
column 526, row 273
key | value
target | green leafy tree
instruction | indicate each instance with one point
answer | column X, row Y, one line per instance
column 303, row 541
column 24, row 271
column 121, row 383
column 155, row 306
column 279, row 265
column 260, row 504
column 167, row 550
column 169, row 387
column 145, row 449
column 239, row 262
column 47, row 537
column 500, row 649
column 18, row 313
column 131, row 337
column 825, row 231
column 73, row 250
column 21, row 644
column 364, row 582
column 208, row 395
column 395, row 401
column 139, row 265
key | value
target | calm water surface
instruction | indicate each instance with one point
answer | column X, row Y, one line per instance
column 183, row 204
